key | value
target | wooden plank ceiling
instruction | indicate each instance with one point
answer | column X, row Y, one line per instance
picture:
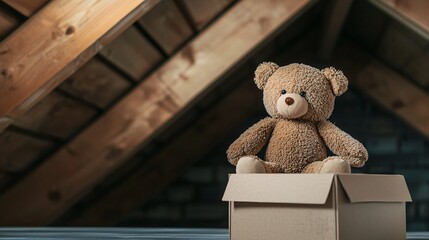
column 82, row 162
column 92, row 89
column 65, row 140
column 71, row 106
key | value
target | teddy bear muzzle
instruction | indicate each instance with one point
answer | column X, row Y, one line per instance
column 292, row 105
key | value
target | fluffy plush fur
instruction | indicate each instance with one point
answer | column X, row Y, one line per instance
column 299, row 99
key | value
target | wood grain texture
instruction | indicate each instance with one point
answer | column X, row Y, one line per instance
column 66, row 33
column 202, row 12
column 132, row 53
column 96, row 83
column 162, row 169
column 166, row 24
column 8, row 23
column 18, row 151
column 105, row 145
column 413, row 13
column 56, row 115
column 26, row 7
column 385, row 86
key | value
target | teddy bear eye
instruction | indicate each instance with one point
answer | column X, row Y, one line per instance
column 302, row 94
column 283, row 92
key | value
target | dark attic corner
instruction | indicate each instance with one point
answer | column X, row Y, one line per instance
column 125, row 120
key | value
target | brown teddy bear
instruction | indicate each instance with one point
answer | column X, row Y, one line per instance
column 299, row 98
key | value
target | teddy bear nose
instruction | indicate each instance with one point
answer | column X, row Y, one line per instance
column 289, row 101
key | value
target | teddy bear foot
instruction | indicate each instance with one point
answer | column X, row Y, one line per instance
column 335, row 165
column 249, row 164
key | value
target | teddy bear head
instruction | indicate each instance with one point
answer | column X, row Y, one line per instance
column 299, row 91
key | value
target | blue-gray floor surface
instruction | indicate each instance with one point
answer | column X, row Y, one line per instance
column 69, row 233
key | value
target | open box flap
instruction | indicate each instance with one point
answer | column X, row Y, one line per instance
column 279, row 188
column 375, row 188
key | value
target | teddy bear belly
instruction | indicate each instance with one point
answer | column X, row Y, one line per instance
column 294, row 146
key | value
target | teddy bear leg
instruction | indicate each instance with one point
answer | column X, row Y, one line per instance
column 251, row 164
column 335, row 165
column 328, row 165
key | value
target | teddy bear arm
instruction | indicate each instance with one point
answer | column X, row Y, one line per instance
column 342, row 144
column 251, row 141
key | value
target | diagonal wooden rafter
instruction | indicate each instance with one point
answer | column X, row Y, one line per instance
column 413, row 13
column 74, row 170
column 53, row 44
column 387, row 87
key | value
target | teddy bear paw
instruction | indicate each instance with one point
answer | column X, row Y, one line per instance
column 335, row 165
column 249, row 164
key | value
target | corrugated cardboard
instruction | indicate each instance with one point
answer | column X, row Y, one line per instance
column 316, row 206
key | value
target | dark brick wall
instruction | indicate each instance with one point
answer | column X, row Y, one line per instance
column 194, row 200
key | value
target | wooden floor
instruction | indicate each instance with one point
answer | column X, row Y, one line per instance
column 131, row 233
column 113, row 233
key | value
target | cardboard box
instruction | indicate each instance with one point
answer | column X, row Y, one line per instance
column 316, row 206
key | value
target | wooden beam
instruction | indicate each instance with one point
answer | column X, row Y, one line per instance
column 413, row 13
column 162, row 169
column 202, row 12
column 166, row 24
column 96, row 83
column 18, row 151
column 56, row 115
column 387, row 87
column 132, row 53
column 74, row 170
column 333, row 23
column 58, row 34
column 25, row 7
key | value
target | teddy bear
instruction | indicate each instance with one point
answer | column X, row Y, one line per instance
column 299, row 99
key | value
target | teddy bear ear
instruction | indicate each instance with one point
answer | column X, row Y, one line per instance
column 263, row 72
column 337, row 79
